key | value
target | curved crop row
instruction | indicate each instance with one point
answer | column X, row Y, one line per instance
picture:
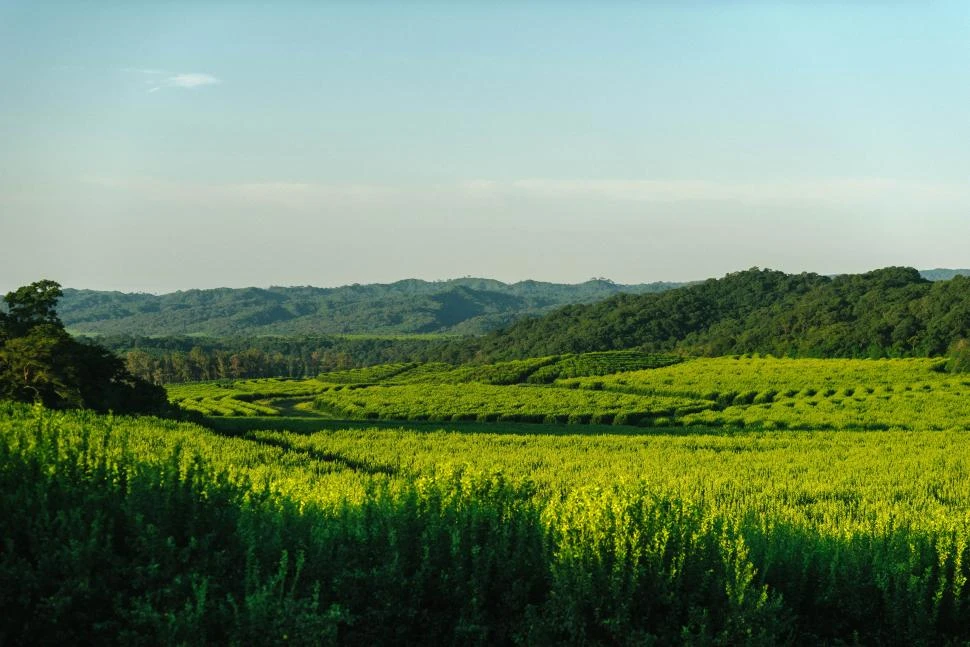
column 489, row 403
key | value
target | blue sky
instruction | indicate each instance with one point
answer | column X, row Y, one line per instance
column 162, row 146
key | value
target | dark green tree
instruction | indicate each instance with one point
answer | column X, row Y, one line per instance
column 32, row 367
column 40, row 361
column 29, row 306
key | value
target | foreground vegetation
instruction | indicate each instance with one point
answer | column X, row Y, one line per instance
column 122, row 530
column 599, row 498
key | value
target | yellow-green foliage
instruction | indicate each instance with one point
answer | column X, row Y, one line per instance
column 715, row 537
column 708, row 377
column 837, row 483
column 512, row 372
column 365, row 375
column 537, row 370
column 806, row 393
column 769, row 393
column 488, row 403
column 600, row 363
column 239, row 397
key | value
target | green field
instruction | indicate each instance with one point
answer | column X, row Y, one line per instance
column 734, row 392
column 755, row 501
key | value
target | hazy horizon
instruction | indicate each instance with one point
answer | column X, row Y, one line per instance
column 153, row 148
column 438, row 280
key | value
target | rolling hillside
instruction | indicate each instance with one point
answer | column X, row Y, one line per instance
column 888, row 312
column 459, row 306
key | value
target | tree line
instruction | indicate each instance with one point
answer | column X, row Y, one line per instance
column 187, row 359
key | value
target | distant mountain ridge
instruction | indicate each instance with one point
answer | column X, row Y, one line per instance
column 941, row 274
column 464, row 306
column 892, row 312
column 410, row 306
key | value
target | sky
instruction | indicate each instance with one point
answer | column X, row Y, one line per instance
column 152, row 147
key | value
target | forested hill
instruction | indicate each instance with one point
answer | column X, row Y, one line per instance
column 459, row 306
column 888, row 312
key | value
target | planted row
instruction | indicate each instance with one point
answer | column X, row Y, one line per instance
column 488, row 403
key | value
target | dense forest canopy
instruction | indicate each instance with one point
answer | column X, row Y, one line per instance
column 892, row 312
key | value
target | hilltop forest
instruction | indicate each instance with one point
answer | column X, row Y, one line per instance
column 892, row 312
column 468, row 306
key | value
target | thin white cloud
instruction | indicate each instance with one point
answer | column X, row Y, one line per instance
column 158, row 79
column 192, row 80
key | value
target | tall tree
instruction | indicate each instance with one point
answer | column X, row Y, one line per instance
column 39, row 361
column 29, row 306
column 32, row 367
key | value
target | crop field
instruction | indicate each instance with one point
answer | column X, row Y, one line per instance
column 537, row 370
column 241, row 397
column 256, row 397
column 527, row 534
column 727, row 501
column 734, row 393
column 488, row 403
column 912, row 394
column 600, row 363
column 711, row 377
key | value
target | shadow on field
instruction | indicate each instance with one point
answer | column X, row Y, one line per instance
column 232, row 426
column 327, row 457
